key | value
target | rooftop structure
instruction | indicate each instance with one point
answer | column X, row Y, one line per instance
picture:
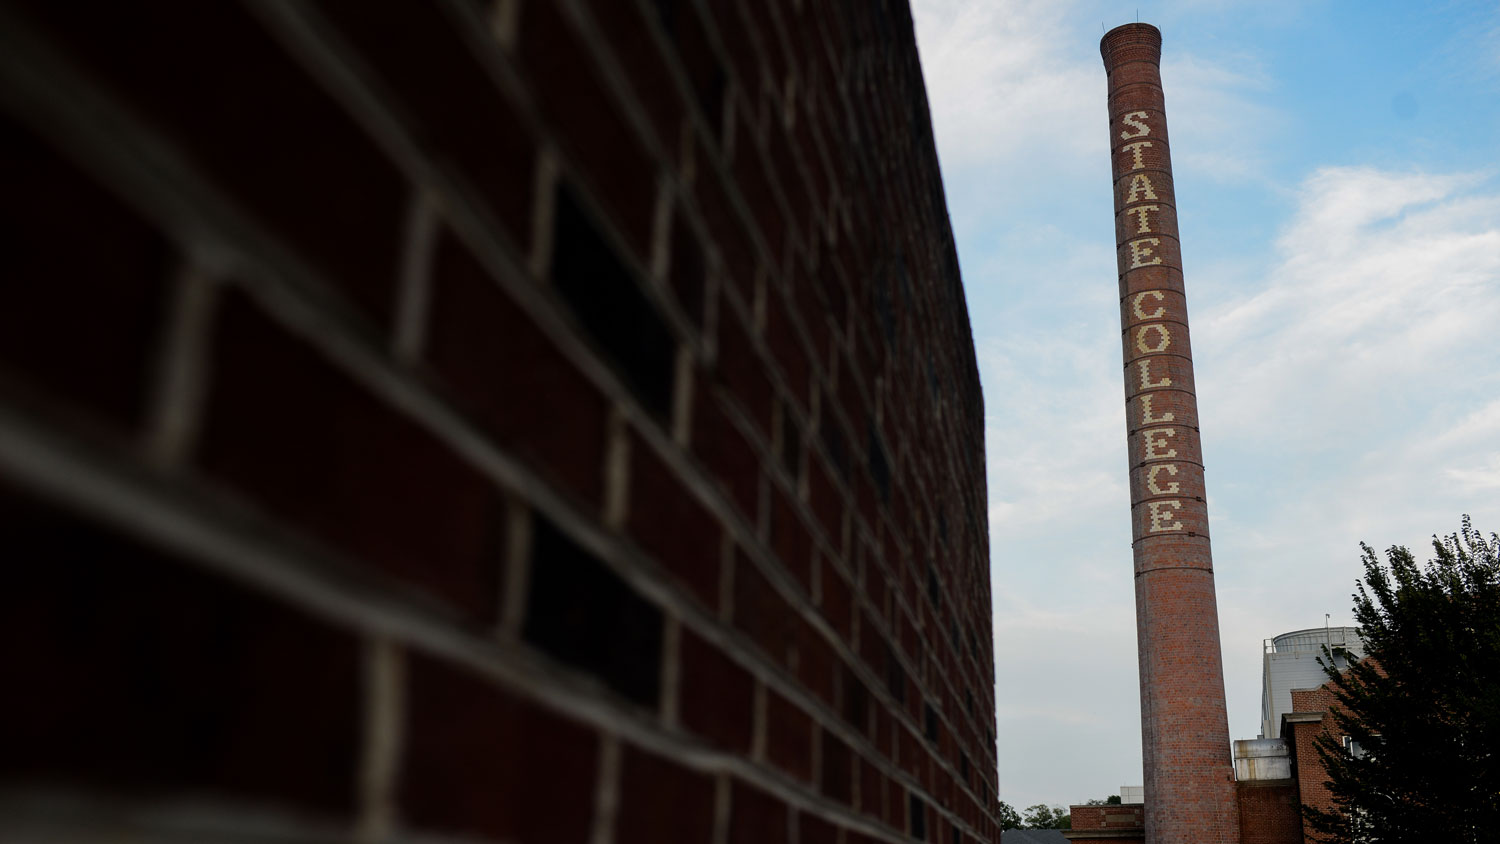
column 1295, row 661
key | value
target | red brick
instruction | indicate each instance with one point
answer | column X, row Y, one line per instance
column 755, row 817
column 754, row 183
column 481, row 761
column 830, row 284
column 727, row 231
column 835, row 599
column 872, row 645
column 812, row 829
column 689, row 269
column 743, row 371
column 790, row 539
column 761, row 612
column 877, row 587
column 826, row 501
column 578, row 109
column 476, row 331
column 885, row 733
column 814, row 316
column 872, row 787
column 789, row 737
column 911, row 753
column 718, row 696
column 253, row 122
column 1269, row 814
column 722, row 16
column 803, row 136
column 705, row 72
column 725, row 451
column 143, row 675
column 302, row 440
column 651, row 81
column 837, row 768
column 815, row 662
column 786, row 347
column 669, row 522
column 416, row 50
column 789, row 176
column 855, row 700
column 770, row 41
column 662, row 801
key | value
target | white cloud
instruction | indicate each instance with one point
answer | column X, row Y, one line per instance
column 1000, row 86
column 1220, row 125
column 1385, row 284
column 1352, row 397
column 1011, row 85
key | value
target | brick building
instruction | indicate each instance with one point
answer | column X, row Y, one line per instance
column 1300, row 728
column 1274, row 779
column 526, row 420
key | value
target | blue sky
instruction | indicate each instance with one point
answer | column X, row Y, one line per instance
column 1338, row 178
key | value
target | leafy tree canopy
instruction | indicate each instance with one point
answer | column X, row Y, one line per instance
column 1042, row 816
column 1009, row 817
column 1413, row 752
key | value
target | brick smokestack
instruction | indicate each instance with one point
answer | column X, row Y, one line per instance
column 1185, row 734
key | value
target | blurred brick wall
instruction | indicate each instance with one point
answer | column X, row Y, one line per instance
column 536, row 421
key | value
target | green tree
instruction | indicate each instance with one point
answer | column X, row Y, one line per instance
column 1042, row 816
column 1009, row 817
column 1414, row 749
column 1112, row 800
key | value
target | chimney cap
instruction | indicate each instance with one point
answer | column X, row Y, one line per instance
column 1130, row 42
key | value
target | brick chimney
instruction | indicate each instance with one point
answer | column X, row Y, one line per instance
column 1185, row 734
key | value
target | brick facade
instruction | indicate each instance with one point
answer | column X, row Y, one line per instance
column 529, row 421
column 1189, row 781
column 1118, row 816
column 1116, row 824
column 1269, row 812
column 1301, row 727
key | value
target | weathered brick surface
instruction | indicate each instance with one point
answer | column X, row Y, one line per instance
column 1269, row 813
column 1312, row 778
column 1115, row 824
column 511, row 420
column 1127, row 816
column 1190, row 793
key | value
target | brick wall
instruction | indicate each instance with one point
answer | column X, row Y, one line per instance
column 1307, row 720
column 1126, row 816
column 534, row 421
column 1117, row 824
column 1269, row 812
